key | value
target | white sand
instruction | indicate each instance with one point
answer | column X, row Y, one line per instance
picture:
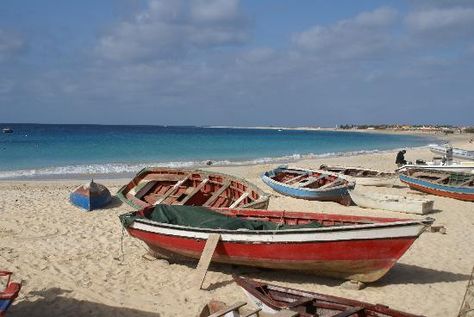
column 70, row 261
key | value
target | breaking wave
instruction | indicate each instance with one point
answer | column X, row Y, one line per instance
column 117, row 169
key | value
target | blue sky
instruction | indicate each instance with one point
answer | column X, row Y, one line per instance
column 230, row 62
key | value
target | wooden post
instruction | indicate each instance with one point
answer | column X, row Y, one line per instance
column 206, row 257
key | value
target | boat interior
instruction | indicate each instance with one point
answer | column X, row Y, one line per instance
column 315, row 305
column 307, row 179
column 192, row 189
column 451, row 179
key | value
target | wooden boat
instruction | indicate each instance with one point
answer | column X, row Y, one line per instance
column 152, row 186
column 363, row 176
column 454, row 185
column 9, row 293
column 272, row 299
column 458, row 167
column 347, row 247
column 457, row 153
column 90, row 196
column 308, row 184
column 399, row 203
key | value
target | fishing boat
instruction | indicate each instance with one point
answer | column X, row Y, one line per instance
column 7, row 130
column 453, row 166
column 273, row 298
column 363, row 176
column 90, row 196
column 340, row 246
column 398, row 203
column 457, row 153
column 308, row 184
column 9, row 293
column 152, row 186
column 454, row 185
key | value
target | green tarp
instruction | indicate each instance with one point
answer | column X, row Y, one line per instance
column 201, row 217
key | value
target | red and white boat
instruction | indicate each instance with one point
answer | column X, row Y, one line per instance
column 347, row 247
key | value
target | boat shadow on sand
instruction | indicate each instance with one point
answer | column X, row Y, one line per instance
column 399, row 274
column 51, row 303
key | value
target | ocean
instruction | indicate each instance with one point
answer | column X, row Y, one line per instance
column 37, row 151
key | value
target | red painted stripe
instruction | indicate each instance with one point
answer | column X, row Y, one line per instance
column 460, row 196
column 380, row 249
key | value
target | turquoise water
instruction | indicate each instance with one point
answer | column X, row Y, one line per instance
column 42, row 150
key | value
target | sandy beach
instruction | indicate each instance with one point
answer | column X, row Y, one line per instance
column 75, row 263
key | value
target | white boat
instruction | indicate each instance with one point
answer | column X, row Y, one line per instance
column 459, row 167
column 457, row 153
column 398, row 203
column 363, row 176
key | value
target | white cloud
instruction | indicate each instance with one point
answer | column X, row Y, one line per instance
column 172, row 28
column 442, row 21
column 359, row 36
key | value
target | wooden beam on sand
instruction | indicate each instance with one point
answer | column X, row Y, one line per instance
column 206, row 257
column 216, row 194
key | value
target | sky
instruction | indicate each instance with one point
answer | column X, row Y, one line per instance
column 231, row 62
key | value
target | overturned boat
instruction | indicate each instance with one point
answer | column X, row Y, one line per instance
column 90, row 196
column 390, row 202
column 346, row 247
column 172, row 186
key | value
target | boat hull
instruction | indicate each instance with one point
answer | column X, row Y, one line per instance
column 336, row 193
column 460, row 193
column 457, row 153
column 356, row 253
column 90, row 199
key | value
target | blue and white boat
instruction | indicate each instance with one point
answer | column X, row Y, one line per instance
column 309, row 184
column 90, row 196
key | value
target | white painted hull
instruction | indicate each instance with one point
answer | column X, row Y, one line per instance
column 374, row 181
column 398, row 203
column 457, row 153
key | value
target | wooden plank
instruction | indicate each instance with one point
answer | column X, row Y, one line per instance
column 195, row 190
column 467, row 182
column 239, row 200
column 172, row 190
column 217, row 194
column 296, row 178
column 206, row 256
column 311, row 180
column 234, row 307
column 331, row 184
